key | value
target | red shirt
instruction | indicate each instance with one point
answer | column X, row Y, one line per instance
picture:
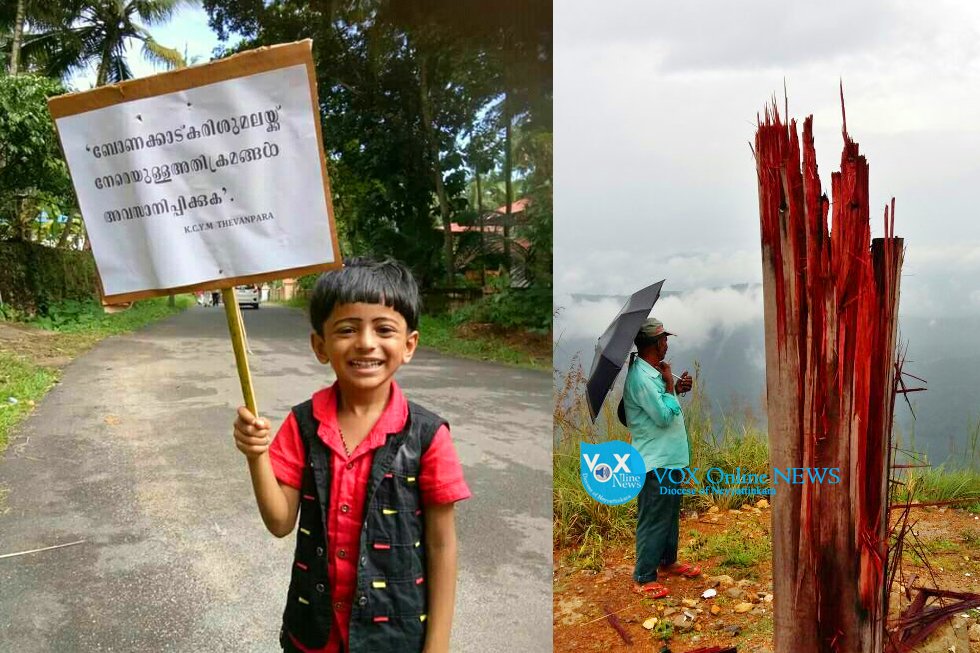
column 440, row 481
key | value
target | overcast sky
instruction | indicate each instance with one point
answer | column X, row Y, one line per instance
column 656, row 103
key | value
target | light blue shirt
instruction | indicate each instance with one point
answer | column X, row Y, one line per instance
column 655, row 418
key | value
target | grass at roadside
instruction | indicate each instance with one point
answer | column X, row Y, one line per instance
column 33, row 352
column 22, row 383
column 441, row 334
column 302, row 302
column 89, row 317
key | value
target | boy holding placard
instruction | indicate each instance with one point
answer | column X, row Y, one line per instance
column 373, row 477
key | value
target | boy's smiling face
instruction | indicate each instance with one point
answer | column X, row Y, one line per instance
column 365, row 344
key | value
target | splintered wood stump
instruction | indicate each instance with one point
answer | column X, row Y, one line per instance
column 831, row 316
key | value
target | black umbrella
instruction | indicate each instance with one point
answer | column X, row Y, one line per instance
column 615, row 343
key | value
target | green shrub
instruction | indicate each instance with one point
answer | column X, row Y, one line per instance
column 524, row 308
column 33, row 277
column 73, row 316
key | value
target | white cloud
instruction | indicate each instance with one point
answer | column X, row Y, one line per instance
column 614, row 272
column 707, row 314
column 694, row 316
column 584, row 319
column 955, row 258
column 655, row 106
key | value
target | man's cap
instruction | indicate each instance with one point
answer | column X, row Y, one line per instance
column 653, row 327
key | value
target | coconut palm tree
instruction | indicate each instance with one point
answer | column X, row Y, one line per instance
column 98, row 32
column 15, row 15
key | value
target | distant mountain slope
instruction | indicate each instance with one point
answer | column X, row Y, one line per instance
column 945, row 352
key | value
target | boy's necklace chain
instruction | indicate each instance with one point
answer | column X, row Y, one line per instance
column 344, row 440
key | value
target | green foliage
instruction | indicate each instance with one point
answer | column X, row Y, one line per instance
column 308, row 281
column 535, row 150
column 11, row 313
column 67, row 315
column 23, row 382
column 33, row 173
column 411, row 93
column 663, row 630
column 524, row 308
column 941, row 545
column 580, row 522
column 32, row 276
column 74, row 316
column 301, row 302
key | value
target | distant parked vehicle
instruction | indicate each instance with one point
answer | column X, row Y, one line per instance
column 250, row 295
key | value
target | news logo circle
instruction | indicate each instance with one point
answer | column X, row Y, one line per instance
column 612, row 472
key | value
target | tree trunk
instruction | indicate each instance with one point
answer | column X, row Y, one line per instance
column 508, row 165
column 430, row 137
column 483, row 244
column 23, row 230
column 103, row 73
column 17, row 37
column 831, row 314
column 100, row 77
column 63, row 240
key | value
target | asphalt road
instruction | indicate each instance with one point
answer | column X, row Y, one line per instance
column 132, row 453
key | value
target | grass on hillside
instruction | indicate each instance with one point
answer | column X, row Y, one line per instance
column 30, row 368
column 937, row 484
column 586, row 527
column 737, row 552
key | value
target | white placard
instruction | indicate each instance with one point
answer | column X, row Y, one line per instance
column 214, row 182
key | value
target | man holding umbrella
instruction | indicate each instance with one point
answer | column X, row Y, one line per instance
column 656, row 423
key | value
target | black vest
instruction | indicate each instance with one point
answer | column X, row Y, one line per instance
column 389, row 609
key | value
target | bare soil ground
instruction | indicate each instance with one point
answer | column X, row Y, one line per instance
column 49, row 349
column 583, row 597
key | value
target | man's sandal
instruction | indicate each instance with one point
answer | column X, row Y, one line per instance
column 685, row 569
column 652, row 590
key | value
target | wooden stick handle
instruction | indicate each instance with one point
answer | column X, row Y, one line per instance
column 237, row 330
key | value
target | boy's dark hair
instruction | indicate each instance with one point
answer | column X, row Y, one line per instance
column 365, row 280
